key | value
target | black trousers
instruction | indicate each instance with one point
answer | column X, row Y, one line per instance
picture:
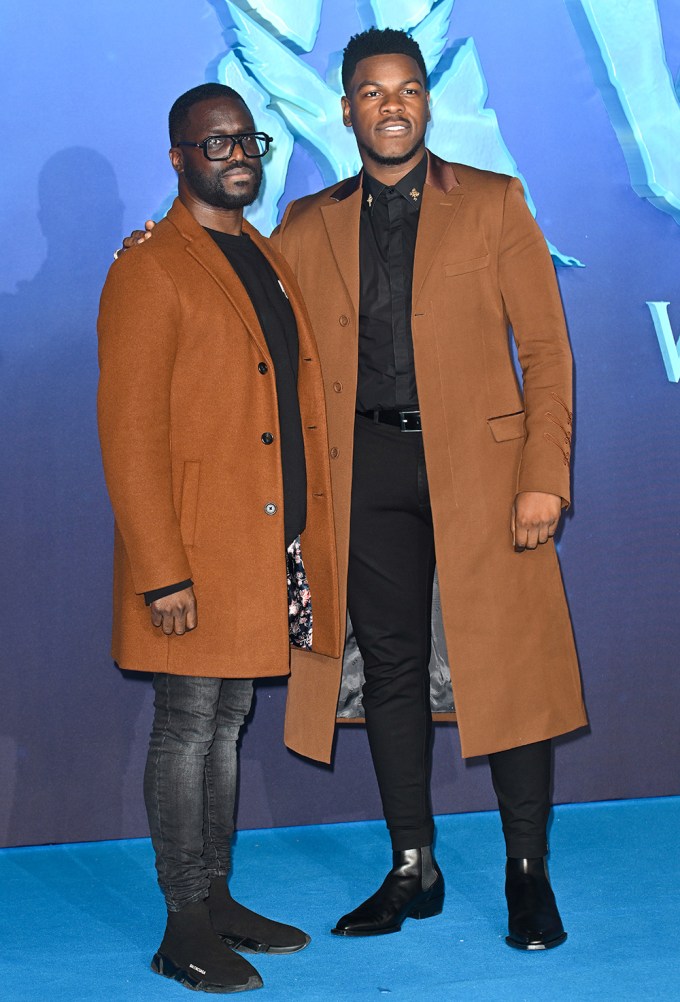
column 391, row 574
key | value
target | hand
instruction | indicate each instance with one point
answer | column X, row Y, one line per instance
column 175, row 613
column 534, row 518
column 137, row 237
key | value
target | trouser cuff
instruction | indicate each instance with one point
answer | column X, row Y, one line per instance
column 412, row 838
column 525, row 846
column 176, row 904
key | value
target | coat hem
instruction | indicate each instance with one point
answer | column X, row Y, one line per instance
column 202, row 672
column 471, row 750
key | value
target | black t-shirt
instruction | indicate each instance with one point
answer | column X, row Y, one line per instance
column 277, row 321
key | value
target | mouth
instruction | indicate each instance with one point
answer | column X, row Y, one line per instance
column 394, row 128
column 239, row 173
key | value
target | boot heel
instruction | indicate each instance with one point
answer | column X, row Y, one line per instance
column 428, row 908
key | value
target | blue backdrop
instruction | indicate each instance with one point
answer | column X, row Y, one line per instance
column 581, row 104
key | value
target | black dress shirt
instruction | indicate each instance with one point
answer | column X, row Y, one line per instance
column 387, row 243
column 277, row 321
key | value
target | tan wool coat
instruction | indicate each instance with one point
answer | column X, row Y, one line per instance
column 187, row 390
column 481, row 267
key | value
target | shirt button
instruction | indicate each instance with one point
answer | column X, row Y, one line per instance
column 334, row 453
column 344, row 320
column 263, row 368
column 270, row 509
column 267, row 438
column 337, row 387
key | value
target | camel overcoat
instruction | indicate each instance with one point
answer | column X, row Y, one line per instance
column 187, row 390
column 481, row 267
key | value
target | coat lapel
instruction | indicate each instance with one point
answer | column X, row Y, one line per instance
column 341, row 218
column 202, row 247
column 442, row 198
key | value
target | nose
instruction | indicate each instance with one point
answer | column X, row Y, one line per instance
column 237, row 152
column 391, row 103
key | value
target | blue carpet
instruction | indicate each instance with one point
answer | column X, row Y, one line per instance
column 80, row 923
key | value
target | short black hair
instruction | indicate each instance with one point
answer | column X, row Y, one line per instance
column 179, row 112
column 379, row 42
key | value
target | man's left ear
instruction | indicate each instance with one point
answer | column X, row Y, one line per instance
column 429, row 109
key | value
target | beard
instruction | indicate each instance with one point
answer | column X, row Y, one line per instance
column 210, row 189
column 378, row 158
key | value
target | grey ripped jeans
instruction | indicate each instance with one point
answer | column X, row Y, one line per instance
column 190, row 780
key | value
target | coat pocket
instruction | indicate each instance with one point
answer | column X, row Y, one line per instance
column 189, row 504
column 507, row 426
column 462, row 267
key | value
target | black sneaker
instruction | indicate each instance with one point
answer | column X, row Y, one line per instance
column 193, row 954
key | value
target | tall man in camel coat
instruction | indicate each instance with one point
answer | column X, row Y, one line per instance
column 213, row 435
column 413, row 273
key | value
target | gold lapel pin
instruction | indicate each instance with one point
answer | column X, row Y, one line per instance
column 370, row 201
column 415, row 194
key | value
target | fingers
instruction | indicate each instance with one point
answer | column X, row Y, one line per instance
column 547, row 530
column 175, row 613
column 136, row 237
column 528, row 537
column 535, row 518
column 192, row 617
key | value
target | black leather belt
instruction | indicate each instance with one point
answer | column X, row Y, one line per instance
column 404, row 420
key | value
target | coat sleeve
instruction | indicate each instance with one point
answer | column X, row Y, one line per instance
column 138, row 330
column 534, row 308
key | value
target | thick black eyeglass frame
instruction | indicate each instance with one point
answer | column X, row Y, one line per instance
column 267, row 140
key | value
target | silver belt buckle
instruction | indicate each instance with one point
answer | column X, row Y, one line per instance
column 403, row 415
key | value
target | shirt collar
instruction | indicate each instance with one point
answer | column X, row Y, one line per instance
column 410, row 187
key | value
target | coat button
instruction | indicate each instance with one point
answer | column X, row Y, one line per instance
column 344, row 320
column 263, row 368
column 337, row 387
column 270, row 509
column 334, row 453
column 267, row 438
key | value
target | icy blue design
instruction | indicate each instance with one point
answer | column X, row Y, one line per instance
column 397, row 13
column 462, row 129
column 431, row 33
column 309, row 105
column 626, row 53
column 263, row 212
column 670, row 348
column 295, row 20
column 465, row 131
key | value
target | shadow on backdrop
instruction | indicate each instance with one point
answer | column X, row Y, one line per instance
column 69, row 719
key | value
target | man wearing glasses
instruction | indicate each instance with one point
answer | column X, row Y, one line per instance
column 213, row 435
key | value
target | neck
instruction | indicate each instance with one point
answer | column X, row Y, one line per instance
column 390, row 174
column 211, row 216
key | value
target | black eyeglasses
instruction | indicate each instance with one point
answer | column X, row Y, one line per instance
column 253, row 144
